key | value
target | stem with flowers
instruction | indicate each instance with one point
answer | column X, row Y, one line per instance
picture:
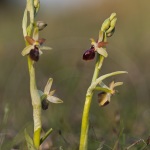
column 98, row 47
column 33, row 50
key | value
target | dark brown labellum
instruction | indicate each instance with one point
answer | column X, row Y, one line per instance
column 89, row 54
column 34, row 54
column 45, row 104
column 102, row 99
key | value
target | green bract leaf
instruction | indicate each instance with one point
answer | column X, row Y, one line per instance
column 29, row 141
column 27, row 50
column 48, row 86
column 24, row 23
column 102, row 52
column 45, row 48
column 30, row 7
column 109, row 75
column 54, row 99
column 36, row 34
column 101, row 36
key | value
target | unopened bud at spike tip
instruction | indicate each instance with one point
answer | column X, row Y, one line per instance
column 105, row 25
column 110, row 33
column 41, row 25
column 112, row 16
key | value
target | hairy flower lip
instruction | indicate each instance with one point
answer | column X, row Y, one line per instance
column 89, row 54
column 34, row 54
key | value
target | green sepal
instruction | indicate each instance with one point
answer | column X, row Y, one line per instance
column 36, row 34
column 54, row 99
column 48, row 86
column 27, row 50
column 102, row 52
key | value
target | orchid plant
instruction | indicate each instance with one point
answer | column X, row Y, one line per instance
column 33, row 51
column 98, row 48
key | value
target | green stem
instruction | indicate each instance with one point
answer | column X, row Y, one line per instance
column 85, row 117
column 87, row 105
column 36, row 103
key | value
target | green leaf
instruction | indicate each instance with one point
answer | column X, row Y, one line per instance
column 48, row 86
column 46, row 135
column 109, row 75
column 27, row 50
column 54, row 99
column 29, row 141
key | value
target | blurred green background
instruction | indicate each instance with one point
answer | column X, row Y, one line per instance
column 70, row 26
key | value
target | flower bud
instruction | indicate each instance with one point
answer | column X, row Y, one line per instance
column 110, row 33
column 113, row 22
column 112, row 16
column 36, row 3
column 41, row 25
column 105, row 25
